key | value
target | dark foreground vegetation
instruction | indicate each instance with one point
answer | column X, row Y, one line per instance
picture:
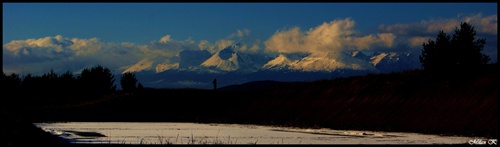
column 464, row 104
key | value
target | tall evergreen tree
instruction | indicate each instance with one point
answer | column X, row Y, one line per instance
column 11, row 86
column 67, row 85
column 446, row 54
column 98, row 80
column 128, row 82
column 467, row 48
column 436, row 55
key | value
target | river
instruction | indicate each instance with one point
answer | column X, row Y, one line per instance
column 198, row 133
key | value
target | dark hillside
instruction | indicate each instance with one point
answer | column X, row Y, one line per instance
column 407, row 101
column 411, row 101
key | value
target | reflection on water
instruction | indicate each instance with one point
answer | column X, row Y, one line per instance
column 195, row 133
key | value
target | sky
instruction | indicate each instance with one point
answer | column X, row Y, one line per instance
column 40, row 36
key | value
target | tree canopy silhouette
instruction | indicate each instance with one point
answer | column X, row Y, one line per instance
column 462, row 51
column 98, row 80
column 10, row 83
column 139, row 86
column 52, row 88
column 128, row 82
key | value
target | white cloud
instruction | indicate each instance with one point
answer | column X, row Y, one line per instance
column 289, row 41
column 50, row 47
column 332, row 37
column 327, row 38
column 255, row 47
column 487, row 25
column 156, row 52
column 387, row 39
column 361, row 43
column 171, row 47
column 240, row 37
column 418, row 41
column 240, row 33
column 33, row 55
column 165, row 39
column 86, row 46
column 16, row 46
column 223, row 43
column 414, row 34
column 206, row 45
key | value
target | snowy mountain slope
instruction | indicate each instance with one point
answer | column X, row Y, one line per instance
column 394, row 61
column 318, row 63
column 360, row 55
column 228, row 59
column 312, row 63
column 232, row 66
column 377, row 57
column 278, row 63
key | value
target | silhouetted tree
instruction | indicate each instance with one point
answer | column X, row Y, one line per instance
column 446, row 54
column 215, row 84
column 140, row 87
column 11, row 82
column 128, row 82
column 98, row 80
column 50, row 84
column 437, row 55
column 67, row 76
column 11, row 85
column 29, row 82
column 51, row 75
column 468, row 49
column 32, row 89
column 67, row 84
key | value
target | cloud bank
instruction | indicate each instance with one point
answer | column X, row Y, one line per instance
column 332, row 37
column 39, row 55
column 60, row 53
column 414, row 33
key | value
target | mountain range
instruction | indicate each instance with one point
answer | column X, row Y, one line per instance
column 230, row 66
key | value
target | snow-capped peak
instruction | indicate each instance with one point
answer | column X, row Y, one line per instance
column 360, row 55
column 228, row 59
column 280, row 62
column 318, row 62
column 375, row 59
column 225, row 60
column 315, row 63
column 355, row 53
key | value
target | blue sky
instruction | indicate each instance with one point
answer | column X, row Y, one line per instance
column 143, row 22
column 139, row 30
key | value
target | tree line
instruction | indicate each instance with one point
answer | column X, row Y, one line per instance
column 56, row 88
